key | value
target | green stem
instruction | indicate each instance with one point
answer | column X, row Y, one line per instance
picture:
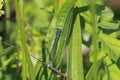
column 26, row 57
column 56, row 5
column 94, row 47
column 7, row 15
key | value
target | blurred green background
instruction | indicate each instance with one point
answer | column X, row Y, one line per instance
column 37, row 17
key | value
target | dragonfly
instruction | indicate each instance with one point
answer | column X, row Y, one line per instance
column 54, row 48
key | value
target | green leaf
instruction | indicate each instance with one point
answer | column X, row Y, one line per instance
column 107, row 14
column 5, row 51
column 56, row 5
column 109, row 25
column 107, row 20
column 114, row 72
column 1, row 5
column 61, row 20
column 37, row 68
column 93, row 72
column 6, row 63
column 27, row 63
column 63, row 39
column 107, row 72
column 94, row 20
column 111, row 46
column 75, row 60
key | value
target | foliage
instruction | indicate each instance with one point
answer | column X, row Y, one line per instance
column 29, row 35
column 1, row 5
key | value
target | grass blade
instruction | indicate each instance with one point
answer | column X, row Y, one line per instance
column 94, row 46
column 59, row 21
column 63, row 22
column 63, row 39
column 75, row 60
column 93, row 72
column 26, row 57
column 5, row 51
column 111, row 46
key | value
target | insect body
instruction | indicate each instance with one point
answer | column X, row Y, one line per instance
column 54, row 48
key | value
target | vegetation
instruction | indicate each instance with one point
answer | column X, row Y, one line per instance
column 45, row 39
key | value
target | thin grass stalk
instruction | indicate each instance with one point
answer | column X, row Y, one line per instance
column 56, row 5
column 7, row 15
column 19, row 23
column 25, row 53
column 94, row 47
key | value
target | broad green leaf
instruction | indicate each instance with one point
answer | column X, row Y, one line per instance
column 107, row 20
column 107, row 14
column 63, row 13
column 93, row 72
column 109, row 25
column 111, row 70
column 111, row 46
column 63, row 38
column 75, row 60
column 114, row 72
column 61, row 21
column 86, row 16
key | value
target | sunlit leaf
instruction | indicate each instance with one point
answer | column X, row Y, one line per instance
column 61, row 20
column 1, row 5
column 109, row 25
column 111, row 46
column 107, row 14
column 93, row 72
column 6, row 63
column 75, row 61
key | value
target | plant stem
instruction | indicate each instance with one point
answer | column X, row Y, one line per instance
column 56, row 5
column 94, row 47
column 25, row 53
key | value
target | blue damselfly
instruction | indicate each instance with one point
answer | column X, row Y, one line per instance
column 54, row 48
